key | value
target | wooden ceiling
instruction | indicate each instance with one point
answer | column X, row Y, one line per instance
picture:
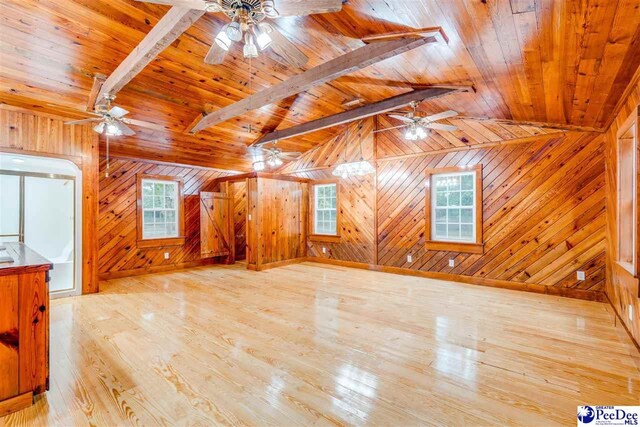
column 562, row 62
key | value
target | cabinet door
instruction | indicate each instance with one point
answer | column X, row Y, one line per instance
column 33, row 332
column 8, row 337
column 214, row 225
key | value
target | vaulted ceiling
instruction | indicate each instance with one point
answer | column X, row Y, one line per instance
column 561, row 62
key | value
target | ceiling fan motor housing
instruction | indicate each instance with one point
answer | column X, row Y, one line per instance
column 252, row 8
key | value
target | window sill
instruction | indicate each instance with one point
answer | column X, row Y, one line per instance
column 156, row 243
column 626, row 266
column 324, row 238
column 472, row 248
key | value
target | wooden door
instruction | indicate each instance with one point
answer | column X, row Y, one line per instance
column 215, row 225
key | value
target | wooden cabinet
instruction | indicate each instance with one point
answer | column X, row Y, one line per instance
column 24, row 328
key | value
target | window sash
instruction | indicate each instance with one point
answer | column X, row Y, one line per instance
column 325, row 218
column 159, row 222
column 453, row 220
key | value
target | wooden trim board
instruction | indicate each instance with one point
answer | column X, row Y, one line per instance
column 16, row 403
column 504, row 284
column 275, row 264
column 157, row 269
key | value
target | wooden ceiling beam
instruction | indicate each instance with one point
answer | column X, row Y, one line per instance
column 175, row 22
column 330, row 70
column 359, row 113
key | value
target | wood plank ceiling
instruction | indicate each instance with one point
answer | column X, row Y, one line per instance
column 563, row 62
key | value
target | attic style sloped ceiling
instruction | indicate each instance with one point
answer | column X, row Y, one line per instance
column 562, row 62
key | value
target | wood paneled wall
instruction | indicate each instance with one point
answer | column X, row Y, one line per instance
column 356, row 197
column 118, row 252
column 276, row 230
column 544, row 207
column 622, row 288
column 240, row 218
column 33, row 133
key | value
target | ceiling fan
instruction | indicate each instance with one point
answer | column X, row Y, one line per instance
column 270, row 156
column 111, row 120
column 248, row 25
column 417, row 123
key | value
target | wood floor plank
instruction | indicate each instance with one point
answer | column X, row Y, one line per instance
column 315, row 344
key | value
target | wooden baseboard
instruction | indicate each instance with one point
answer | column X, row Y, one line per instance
column 275, row 264
column 157, row 269
column 16, row 403
column 504, row 284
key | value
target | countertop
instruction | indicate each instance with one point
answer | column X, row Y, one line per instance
column 25, row 260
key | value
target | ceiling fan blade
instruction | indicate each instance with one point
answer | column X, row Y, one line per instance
column 402, row 118
column 291, row 153
column 126, row 130
column 215, row 55
column 99, row 127
column 189, row 4
column 440, row 126
column 143, row 124
column 118, row 112
column 285, row 49
column 440, row 116
column 79, row 122
column 307, row 7
column 391, row 128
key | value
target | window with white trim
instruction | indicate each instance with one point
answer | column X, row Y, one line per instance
column 453, row 207
column 160, row 209
column 325, row 212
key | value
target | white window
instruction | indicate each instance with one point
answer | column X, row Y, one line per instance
column 453, row 207
column 160, row 204
column 325, row 210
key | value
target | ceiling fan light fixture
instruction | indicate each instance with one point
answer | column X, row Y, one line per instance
column 258, row 166
column 233, row 31
column 263, row 39
column 421, row 133
column 112, row 130
column 223, row 40
column 411, row 134
column 99, row 127
column 346, row 170
column 250, row 50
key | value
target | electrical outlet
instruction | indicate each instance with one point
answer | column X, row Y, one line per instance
column 409, row 258
column 324, row 250
column 452, row 263
column 166, row 255
column 630, row 313
column 581, row 275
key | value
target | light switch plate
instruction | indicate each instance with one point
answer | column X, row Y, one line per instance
column 409, row 258
column 324, row 250
column 166, row 255
column 452, row 263
column 581, row 275
column 249, row 217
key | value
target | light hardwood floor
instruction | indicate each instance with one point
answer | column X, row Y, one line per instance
column 319, row 344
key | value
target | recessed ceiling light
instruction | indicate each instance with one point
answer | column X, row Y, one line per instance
column 17, row 160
